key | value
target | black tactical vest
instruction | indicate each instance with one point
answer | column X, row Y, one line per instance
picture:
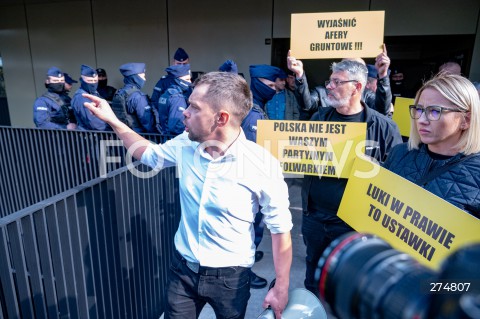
column 119, row 107
column 60, row 117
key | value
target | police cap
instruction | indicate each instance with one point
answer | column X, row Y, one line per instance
column 86, row 70
column 229, row 66
column 264, row 71
column 132, row 68
column 68, row 79
column 180, row 55
column 55, row 72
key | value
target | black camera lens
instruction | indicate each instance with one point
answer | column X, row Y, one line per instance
column 340, row 266
column 389, row 287
column 362, row 277
column 459, row 276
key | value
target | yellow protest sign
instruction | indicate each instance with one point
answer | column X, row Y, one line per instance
column 407, row 216
column 337, row 34
column 313, row 148
column 401, row 115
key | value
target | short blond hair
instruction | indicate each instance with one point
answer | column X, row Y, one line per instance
column 462, row 93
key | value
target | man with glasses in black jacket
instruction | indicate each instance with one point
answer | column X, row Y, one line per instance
column 321, row 195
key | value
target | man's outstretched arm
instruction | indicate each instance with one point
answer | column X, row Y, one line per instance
column 134, row 143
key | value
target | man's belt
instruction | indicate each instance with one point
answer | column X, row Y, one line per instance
column 209, row 271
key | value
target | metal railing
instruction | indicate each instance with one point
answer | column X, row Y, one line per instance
column 99, row 250
column 37, row 163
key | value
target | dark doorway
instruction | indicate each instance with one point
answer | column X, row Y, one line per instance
column 417, row 56
column 4, row 115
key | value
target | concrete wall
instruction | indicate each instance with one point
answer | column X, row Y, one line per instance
column 212, row 31
column 37, row 34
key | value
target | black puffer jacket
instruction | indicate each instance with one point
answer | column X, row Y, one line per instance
column 459, row 185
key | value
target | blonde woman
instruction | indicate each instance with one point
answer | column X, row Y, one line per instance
column 442, row 154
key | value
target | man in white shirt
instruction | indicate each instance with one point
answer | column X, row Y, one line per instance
column 224, row 179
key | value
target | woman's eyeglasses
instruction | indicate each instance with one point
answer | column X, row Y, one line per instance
column 432, row 112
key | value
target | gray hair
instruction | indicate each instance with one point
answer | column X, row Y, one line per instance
column 356, row 71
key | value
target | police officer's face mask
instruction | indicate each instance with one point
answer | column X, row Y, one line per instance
column 55, row 87
column 397, row 79
column 89, row 87
column 102, row 83
column 261, row 91
column 139, row 81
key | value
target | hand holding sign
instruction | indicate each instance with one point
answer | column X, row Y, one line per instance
column 382, row 63
column 294, row 65
column 327, row 35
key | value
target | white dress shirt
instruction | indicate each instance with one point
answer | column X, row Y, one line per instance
column 220, row 198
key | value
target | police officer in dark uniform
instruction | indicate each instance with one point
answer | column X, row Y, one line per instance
column 68, row 86
column 180, row 57
column 170, row 105
column 66, row 97
column 131, row 105
column 249, row 124
column 262, row 85
column 50, row 110
column 106, row 91
column 88, row 84
column 398, row 85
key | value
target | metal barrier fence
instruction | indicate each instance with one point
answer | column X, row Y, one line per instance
column 100, row 250
column 37, row 163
